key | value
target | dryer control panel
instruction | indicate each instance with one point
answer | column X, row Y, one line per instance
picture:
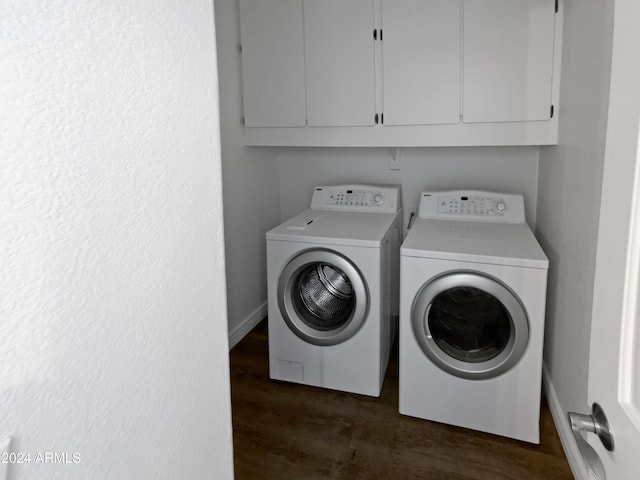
column 472, row 205
column 357, row 198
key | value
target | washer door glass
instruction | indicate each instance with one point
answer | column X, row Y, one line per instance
column 322, row 297
column 470, row 325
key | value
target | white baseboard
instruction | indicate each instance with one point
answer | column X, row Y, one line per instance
column 246, row 325
column 576, row 463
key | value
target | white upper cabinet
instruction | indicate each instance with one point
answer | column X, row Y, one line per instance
column 508, row 60
column 339, row 52
column 421, row 61
column 273, row 63
column 401, row 72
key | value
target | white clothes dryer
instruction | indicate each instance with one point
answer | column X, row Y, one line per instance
column 332, row 276
column 472, row 307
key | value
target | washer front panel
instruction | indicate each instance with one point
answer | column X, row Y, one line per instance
column 322, row 297
column 470, row 324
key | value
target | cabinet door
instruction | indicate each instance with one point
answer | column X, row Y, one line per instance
column 421, row 61
column 340, row 62
column 508, row 60
column 272, row 63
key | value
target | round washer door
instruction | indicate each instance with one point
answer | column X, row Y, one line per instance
column 323, row 297
column 470, row 325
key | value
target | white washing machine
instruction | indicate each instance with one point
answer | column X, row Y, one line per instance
column 472, row 302
column 333, row 289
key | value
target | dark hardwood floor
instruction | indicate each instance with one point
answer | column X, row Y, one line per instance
column 288, row 431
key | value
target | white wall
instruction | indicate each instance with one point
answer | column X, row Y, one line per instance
column 113, row 337
column 504, row 169
column 250, row 183
column 569, row 196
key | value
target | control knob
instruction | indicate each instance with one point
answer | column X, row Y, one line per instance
column 377, row 198
column 501, row 206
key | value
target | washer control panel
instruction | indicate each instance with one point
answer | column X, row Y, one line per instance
column 472, row 206
column 356, row 198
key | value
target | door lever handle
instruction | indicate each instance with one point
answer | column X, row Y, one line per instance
column 595, row 423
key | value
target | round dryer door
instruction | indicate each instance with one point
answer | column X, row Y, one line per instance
column 322, row 297
column 470, row 325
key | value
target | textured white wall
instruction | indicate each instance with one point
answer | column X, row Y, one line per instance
column 505, row 169
column 112, row 294
column 569, row 196
column 250, row 181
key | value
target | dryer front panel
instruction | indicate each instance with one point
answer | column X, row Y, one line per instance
column 470, row 324
column 322, row 297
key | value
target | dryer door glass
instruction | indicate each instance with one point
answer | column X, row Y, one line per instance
column 322, row 297
column 470, row 325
